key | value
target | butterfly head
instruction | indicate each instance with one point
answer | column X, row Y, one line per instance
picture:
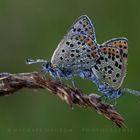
column 46, row 66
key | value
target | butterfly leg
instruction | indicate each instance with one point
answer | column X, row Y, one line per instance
column 106, row 100
column 60, row 80
column 112, row 101
column 115, row 102
column 102, row 97
column 73, row 83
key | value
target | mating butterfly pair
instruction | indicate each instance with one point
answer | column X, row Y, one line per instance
column 79, row 54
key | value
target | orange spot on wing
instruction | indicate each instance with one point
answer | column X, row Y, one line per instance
column 104, row 50
column 81, row 38
column 119, row 44
column 90, row 43
column 94, row 54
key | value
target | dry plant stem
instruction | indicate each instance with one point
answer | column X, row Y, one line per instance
column 10, row 83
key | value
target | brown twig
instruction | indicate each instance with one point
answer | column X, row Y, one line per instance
column 10, row 83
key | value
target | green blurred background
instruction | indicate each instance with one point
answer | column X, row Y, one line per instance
column 32, row 29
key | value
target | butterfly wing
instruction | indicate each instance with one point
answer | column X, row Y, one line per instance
column 111, row 66
column 82, row 25
column 77, row 54
column 76, row 46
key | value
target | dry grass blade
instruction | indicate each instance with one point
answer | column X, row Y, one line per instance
column 10, row 83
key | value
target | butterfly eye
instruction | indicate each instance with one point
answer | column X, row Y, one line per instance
column 119, row 92
column 46, row 65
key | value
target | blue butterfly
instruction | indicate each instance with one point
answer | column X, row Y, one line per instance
column 74, row 53
column 78, row 53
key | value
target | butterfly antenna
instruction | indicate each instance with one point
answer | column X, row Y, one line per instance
column 131, row 91
column 31, row 61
